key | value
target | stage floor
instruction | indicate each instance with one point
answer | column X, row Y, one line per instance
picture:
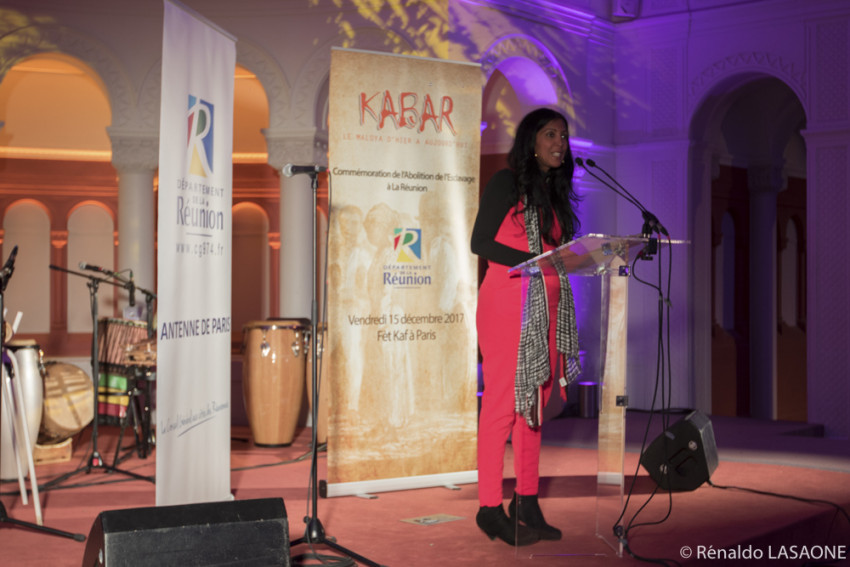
column 804, row 482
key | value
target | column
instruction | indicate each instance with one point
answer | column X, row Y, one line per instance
column 297, row 217
column 135, row 156
column 827, row 277
column 765, row 182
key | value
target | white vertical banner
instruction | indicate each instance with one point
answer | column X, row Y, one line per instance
column 194, row 260
column 402, row 283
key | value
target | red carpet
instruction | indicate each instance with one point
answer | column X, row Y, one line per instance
column 710, row 522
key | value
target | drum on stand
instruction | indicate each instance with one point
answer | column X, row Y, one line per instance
column 322, row 374
column 28, row 355
column 68, row 402
column 273, row 369
column 113, row 394
column 115, row 336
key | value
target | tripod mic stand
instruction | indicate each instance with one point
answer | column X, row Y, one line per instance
column 315, row 532
column 95, row 460
column 5, row 274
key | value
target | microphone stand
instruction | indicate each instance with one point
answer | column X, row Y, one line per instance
column 95, row 460
column 315, row 533
column 4, row 516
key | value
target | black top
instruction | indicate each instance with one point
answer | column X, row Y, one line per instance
column 495, row 205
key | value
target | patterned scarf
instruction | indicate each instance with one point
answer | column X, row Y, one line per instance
column 533, row 357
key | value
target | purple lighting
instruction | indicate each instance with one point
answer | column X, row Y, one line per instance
column 529, row 81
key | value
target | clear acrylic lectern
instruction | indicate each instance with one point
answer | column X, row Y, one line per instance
column 607, row 257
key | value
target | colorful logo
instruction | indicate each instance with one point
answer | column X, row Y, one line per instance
column 407, row 243
column 199, row 144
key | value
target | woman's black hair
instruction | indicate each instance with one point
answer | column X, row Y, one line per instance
column 551, row 191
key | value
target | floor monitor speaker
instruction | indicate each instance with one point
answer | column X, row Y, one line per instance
column 240, row 532
column 684, row 456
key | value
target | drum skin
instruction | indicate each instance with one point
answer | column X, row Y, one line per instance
column 68, row 402
column 273, row 370
column 28, row 355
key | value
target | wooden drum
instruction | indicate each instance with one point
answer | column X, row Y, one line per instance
column 322, row 374
column 273, row 369
column 28, row 356
column 68, row 402
column 116, row 335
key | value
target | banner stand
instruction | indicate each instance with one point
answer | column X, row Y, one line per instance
column 366, row 488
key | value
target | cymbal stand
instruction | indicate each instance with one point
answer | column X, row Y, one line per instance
column 315, row 532
column 5, row 274
column 95, row 460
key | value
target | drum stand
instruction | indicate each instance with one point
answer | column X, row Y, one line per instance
column 315, row 533
column 95, row 460
column 5, row 274
column 141, row 415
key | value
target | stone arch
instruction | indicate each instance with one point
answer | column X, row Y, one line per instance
column 91, row 203
column 150, row 97
column 35, row 39
column 734, row 70
column 520, row 46
column 251, row 263
column 310, row 92
column 28, row 201
column 271, row 77
column 308, row 106
column 745, row 111
column 27, row 223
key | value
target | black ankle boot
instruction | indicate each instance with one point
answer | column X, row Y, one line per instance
column 528, row 512
column 496, row 524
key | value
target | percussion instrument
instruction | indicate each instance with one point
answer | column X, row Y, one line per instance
column 28, row 355
column 324, row 387
column 113, row 395
column 115, row 335
column 68, row 402
column 273, row 370
column 142, row 353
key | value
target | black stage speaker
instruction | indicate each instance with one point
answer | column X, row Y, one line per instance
column 684, row 456
column 247, row 532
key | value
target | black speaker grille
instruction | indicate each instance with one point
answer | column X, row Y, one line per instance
column 244, row 533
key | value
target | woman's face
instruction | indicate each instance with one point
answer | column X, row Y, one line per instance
column 550, row 145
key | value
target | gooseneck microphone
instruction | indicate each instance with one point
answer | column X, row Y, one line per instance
column 289, row 170
column 650, row 221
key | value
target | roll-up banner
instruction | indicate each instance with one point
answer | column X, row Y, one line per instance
column 194, row 260
column 404, row 140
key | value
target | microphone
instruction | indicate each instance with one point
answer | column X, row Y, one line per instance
column 93, row 268
column 650, row 221
column 131, row 287
column 289, row 170
column 9, row 266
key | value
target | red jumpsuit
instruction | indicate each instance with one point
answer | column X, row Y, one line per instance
column 498, row 321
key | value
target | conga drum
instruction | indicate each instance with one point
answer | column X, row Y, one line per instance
column 68, row 402
column 273, row 368
column 324, row 387
column 27, row 353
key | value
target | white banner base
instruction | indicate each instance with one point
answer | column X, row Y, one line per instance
column 366, row 487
